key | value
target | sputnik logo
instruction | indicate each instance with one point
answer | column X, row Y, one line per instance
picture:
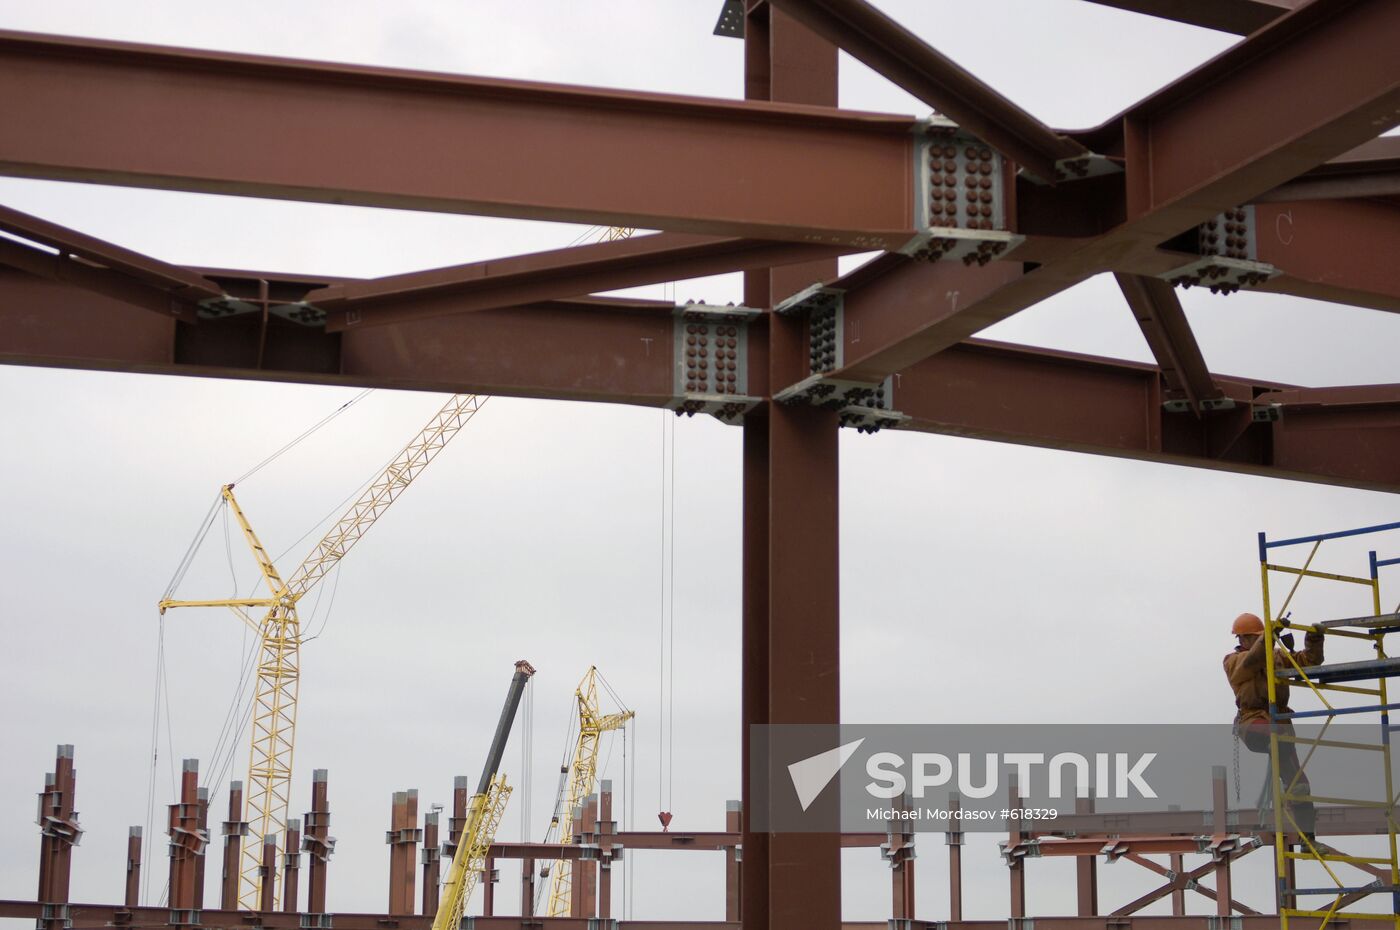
column 810, row 776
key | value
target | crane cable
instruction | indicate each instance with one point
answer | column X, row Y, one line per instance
column 665, row 768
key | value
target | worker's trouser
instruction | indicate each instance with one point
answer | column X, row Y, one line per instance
column 1255, row 736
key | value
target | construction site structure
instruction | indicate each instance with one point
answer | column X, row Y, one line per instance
column 278, row 681
column 577, row 780
column 1294, row 843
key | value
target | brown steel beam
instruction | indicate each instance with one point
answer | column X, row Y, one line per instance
column 318, row 843
column 1312, row 86
column 1059, row 400
column 1168, row 334
column 1238, row 16
column 901, row 56
column 291, row 866
column 179, row 281
column 790, row 603
column 234, row 830
column 77, row 273
column 1223, row 134
column 562, row 273
column 1339, row 251
column 1370, row 170
column 133, row 867
column 452, row 144
column 108, row 916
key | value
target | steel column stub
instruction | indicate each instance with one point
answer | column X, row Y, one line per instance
column 1228, row 245
column 711, row 351
column 960, row 198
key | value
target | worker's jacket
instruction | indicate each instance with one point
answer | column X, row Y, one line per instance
column 1245, row 668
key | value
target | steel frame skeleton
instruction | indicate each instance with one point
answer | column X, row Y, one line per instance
column 1271, row 148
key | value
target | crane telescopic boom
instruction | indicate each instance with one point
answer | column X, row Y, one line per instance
column 484, row 812
column 279, row 631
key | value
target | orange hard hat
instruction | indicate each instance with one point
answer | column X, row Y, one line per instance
column 1246, row 624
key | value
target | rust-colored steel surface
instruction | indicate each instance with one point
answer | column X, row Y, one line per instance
column 1276, row 138
column 649, row 161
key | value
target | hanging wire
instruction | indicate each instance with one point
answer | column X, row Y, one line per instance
column 320, row 423
column 188, row 558
column 335, row 588
column 661, row 670
column 151, row 775
column 671, row 677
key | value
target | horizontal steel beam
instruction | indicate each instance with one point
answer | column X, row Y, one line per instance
column 1238, row 16
column 604, row 350
column 115, row 917
column 893, row 51
column 146, row 116
column 623, row 351
column 1341, row 251
column 1058, row 400
column 562, row 273
column 182, row 282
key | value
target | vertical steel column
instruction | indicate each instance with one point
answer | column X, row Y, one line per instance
column 408, row 876
column 133, row 867
column 1221, row 805
column 402, row 838
column 291, row 866
column 202, row 825
column 583, row 901
column 432, row 863
column 267, row 873
column 234, row 829
column 607, row 829
column 1086, row 870
column 318, row 843
column 733, row 883
column 488, row 887
column 790, row 614
column 1178, row 866
column 899, row 850
column 1016, row 864
column 527, row 887
column 183, row 827
column 48, row 808
column 58, row 831
column 954, row 839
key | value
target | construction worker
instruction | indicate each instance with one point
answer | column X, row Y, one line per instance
column 1246, row 669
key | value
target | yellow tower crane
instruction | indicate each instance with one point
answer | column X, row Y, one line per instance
column 576, row 783
column 279, row 632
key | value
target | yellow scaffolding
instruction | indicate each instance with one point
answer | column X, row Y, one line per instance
column 1340, row 677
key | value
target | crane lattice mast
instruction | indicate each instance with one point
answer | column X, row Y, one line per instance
column 279, row 631
column 576, row 783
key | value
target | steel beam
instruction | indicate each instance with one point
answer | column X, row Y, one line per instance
column 1238, row 16
column 318, row 844
column 182, row 283
column 1339, row 251
column 790, row 556
column 1312, row 86
column 1222, row 135
column 1370, row 170
column 562, row 273
column 451, row 144
column 901, row 56
column 1060, row 400
column 1168, row 334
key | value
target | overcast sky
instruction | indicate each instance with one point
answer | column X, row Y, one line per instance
column 980, row 582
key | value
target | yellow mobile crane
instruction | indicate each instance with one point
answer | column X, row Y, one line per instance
column 279, row 632
column 484, row 812
column 576, row 783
